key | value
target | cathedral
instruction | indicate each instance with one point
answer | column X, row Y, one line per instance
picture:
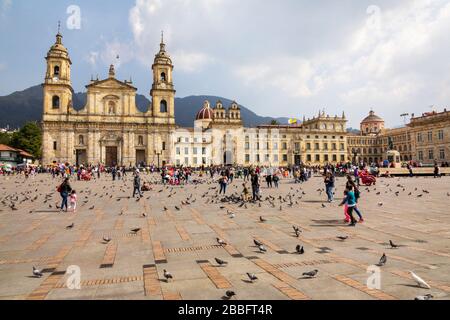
column 110, row 129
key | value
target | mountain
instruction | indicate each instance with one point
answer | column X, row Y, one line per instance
column 22, row 106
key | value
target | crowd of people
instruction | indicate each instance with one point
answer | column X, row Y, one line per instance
column 251, row 178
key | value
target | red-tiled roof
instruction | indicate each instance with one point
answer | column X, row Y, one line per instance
column 23, row 153
column 4, row 147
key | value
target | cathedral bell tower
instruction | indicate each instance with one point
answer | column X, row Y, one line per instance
column 57, row 85
column 163, row 92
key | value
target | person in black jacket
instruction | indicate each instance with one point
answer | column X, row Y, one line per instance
column 137, row 184
column 64, row 191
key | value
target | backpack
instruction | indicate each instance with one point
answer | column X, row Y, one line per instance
column 59, row 189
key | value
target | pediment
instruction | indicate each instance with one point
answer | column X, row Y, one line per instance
column 110, row 83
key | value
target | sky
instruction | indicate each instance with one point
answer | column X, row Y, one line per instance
column 276, row 57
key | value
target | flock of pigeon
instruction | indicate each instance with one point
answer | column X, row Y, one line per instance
column 293, row 198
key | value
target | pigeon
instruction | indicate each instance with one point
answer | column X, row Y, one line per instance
column 342, row 238
column 220, row 262
column 296, row 229
column 299, row 249
column 262, row 248
column 323, row 206
column 311, row 274
column 167, row 275
column 419, row 280
column 221, row 242
column 106, row 239
column 230, row 294
column 297, row 233
column 37, row 272
column 257, row 243
column 178, row 209
column 144, row 215
column 92, row 208
column 393, row 246
column 165, row 209
column 261, row 219
column 425, row 297
column 382, row 261
column 70, row 226
column 135, row 230
column 252, row 276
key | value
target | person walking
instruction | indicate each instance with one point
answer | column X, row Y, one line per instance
column 329, row 185
column 269, row 181
column 255, row 185
column 436, row 170
column 73, row 201
column 64, row 190
column 137, row 184
column 223, row 181
column 275, row 180
column 350, row 201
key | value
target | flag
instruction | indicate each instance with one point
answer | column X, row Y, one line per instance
column 292, row 121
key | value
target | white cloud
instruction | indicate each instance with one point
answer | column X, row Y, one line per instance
column 180, row 20
column 5, row 6
column 384, row 61
column 92, row 58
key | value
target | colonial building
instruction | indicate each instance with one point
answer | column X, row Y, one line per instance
column 424, row 139
column 110, row 129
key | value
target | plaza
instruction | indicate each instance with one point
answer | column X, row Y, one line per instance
column 183, row 241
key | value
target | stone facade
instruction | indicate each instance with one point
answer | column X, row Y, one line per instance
column 424, row 139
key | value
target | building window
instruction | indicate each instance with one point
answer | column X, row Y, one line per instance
column 297, row 146
column 163, row 106
column 342, row 158
column 430, row 154
column 275, row 146
column 186, row 161
column 308, row 157
column 326, row 159
column 55, row 102
column 186, row 150
column 333, row 146
column 164, row 146
column 430, row 136
column 247, row 158
column 420, row 155
column 163, row 77
column 257, row 158
column 316, row 146
column 195, row 151
column 442, row 154
column 55, row 145
column 441, row 134
column 285, row 158
column 178, row 151
column 56, row 71
column 334, row 158
column 203, row 160
column 325, row 146
column 284, row 146
column 140, row 140
column 80, row 140
column 419, row 137
column 195, row 160
column 317, row 158
column 267, row 158
column 308, row 146
column 342, row 147
column 203, row 150
column 275, row 158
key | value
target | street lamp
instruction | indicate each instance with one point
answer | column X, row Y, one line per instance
column 158, row 153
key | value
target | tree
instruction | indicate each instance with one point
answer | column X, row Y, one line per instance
column 5, row 138
column 274, row 123
column 28, row 138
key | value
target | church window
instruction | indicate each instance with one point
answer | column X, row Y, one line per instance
column 55, row 145
column 141, row 140
column 56, row 71
column 55, row 102
column 80, row 140
column 163, row 77
column 163, row 106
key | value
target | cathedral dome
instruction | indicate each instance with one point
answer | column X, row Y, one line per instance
column 206, row 113
column 372, row 118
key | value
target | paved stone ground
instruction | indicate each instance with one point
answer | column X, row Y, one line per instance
column 184, row 242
